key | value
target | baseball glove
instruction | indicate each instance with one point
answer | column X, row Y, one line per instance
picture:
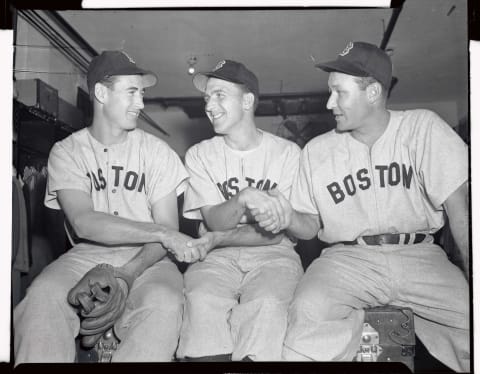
column 101, row 298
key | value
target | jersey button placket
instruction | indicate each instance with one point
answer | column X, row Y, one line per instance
column 112, row 196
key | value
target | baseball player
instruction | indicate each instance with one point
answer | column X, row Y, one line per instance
column 118, row 187
column 377, row 188
column 236, row 299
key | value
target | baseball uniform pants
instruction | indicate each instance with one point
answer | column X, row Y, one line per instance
column 326, row 315
column 45, row 324
column 236, row 302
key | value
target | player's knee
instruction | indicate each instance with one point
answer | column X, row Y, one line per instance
column 200, row 284
column 311, row 304
column 202, row 302
column 274, row 309
column 162, row 296
column 48, row 290
column 45, row 300
column 272, row 303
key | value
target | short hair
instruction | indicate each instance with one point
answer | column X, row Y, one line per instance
column 107, row 81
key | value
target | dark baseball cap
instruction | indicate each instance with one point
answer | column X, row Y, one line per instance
column 110, row 63
column 230, row 71
column 362, row 60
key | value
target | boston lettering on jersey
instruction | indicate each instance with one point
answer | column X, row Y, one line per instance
column 391, row 174
column 230, row 188
column 130, row 179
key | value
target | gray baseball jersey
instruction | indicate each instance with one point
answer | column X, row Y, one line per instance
column 397, row 186
column 122, row 179
column 218, row 172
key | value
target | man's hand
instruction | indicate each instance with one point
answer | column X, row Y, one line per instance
column 262, row 203
column 210, row 239
column 185, row 248
column 101, row 296
column 283, row 217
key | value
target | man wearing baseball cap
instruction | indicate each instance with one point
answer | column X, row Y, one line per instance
column 376, row 189
column 118, row 187
column 236, row 299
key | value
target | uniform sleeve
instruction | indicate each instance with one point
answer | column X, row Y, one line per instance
column 290, row 170
column 201, row 190
column 302, row 197
column 167, row 173
column 443, row 160
column 64, row 172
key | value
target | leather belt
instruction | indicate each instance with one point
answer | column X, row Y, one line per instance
column 388, row 239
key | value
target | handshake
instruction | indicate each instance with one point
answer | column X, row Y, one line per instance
column 188, row 249
column 270, row 209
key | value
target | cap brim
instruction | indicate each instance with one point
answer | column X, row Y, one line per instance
column 200, row 80
column 342, row 67
column 149, row 78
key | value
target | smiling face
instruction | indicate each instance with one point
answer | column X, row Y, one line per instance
column 123, row 101
column 224, row 104
column 348, row 102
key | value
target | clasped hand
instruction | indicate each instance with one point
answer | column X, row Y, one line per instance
column 270, row 209
column 187, row 249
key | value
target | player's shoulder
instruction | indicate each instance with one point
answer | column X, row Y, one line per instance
column 280, row 143
column 325, row 146
column 148, row 141
column 328, row 140
column 143, row 136
column 417, row 121
column 414, row 115
column 76, row 139
column 206, row 146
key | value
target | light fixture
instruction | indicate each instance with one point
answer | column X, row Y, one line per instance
column 192, row 60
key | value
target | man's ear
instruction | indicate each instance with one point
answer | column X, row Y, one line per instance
column 248, row 100
column 374, row 91
column 100, row 92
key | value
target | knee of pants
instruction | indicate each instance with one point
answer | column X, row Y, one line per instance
column 48, row 291
column 315, row 304
column 205, row 303
column 161, row 297
column 271, row 302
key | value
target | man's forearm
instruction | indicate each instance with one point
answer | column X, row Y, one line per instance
column 303, row 226
column 146, row 257
column 457, row 207
column 229, row 214
column 459, row 229
column 111, row 230
column 224, row 216
column 246, row 235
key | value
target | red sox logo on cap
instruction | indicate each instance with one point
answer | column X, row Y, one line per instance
column 219, row 65
column 347, row 49
column 129, row 58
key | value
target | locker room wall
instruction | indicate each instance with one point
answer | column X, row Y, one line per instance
column 35, row 57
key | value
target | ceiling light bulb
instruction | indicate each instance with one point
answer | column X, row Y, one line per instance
column 191, row 64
